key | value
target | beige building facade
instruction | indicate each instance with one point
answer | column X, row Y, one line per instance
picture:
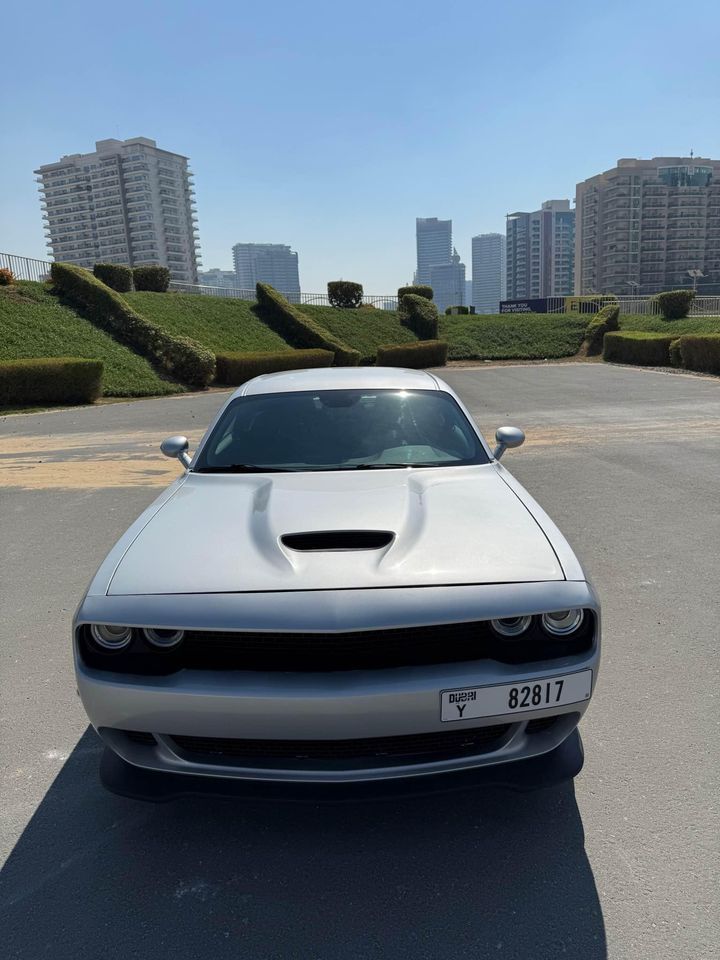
column 643, row 225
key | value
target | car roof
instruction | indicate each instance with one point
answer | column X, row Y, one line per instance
column 340, row 378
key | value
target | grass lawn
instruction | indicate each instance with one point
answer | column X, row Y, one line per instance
column 517, row 336
column 34, row 324
column 363, row 330
column 670, row 327
column 218, row 323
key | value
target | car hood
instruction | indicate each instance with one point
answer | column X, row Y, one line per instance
column 222, row 534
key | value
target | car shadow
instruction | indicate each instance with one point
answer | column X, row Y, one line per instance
column 475, row 874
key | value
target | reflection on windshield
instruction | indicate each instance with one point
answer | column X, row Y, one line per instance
column 340, row 430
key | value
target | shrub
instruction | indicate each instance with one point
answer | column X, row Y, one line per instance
column 422, row 353
column 457, row 310
column 675, row 354
column 606, row 321
column 419, row 315
column 639, row 347
column 417, row 290
column 181, row 357
column 114, row 275
column 701, row 352
column 675, row 304
column 155, row 279
column 6, row 277
column 300, row 329
column 236, row 368
column 344, row 293
column 50, row 380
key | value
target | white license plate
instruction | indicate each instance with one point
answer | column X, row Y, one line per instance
column 468, row 703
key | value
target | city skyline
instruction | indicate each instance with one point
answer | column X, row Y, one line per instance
column 342, row 168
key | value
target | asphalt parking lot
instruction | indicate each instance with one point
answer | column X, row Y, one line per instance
column 622, row 864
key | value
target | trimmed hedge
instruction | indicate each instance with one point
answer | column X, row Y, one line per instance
column 675, row 304
column 417, row 290
column 300, row 329
column 344, row 293
column 458, row 310
column 114, row 275
column 675, row 354
column 50, row 380
column 236, row 368
column 422, row 353
column 419, row 315
column 606, row 321
column 7, row 278
column 701, row 352
column 644, row 349
column 152, row 278
column 180, row 357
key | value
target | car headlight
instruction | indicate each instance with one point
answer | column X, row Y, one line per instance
column 110, row 637
column 511, row 626
column 163, row 638
column 560, row 623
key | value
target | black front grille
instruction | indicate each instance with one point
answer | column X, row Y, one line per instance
column 344, row 754
column 324, row 652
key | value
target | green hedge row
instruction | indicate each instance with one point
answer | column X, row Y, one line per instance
column 114, row 275
column 50, row 380
column 644, row 349
column 417, row 289
column 419, row 315
column 605, row 321
column 675, row 304
column 181, row 357
column 344, row 294
column 298, row 328
column 235, row 368
column 153, row 278
column 698, row 351
column 121, row 278
column 422, row 353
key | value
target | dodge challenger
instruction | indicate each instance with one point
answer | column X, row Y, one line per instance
column 344, row 588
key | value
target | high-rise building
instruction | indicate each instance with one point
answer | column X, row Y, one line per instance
column 273, row 263
column 433, row 239
column 468, row 293
column 128, row 202
column 215, row 277
column 488, row 270
column 644, row 224
column 540, row 252
column 448, row 283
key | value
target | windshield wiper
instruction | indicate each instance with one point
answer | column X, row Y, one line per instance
column 387, row 466
column 244, row 468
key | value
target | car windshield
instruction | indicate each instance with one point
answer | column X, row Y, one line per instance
column 340, row 430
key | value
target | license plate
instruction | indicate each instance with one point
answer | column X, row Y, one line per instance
column 469, row 703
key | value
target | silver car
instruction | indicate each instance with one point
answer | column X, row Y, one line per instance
column 344, row 589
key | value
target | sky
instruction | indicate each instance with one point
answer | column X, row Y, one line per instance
column 331, row 126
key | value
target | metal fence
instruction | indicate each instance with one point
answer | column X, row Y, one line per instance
column 25, row 268
column 648, row 306
column 383, row 302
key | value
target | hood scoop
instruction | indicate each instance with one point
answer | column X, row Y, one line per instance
column 335, row 540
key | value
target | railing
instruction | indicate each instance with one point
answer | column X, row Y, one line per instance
column 386, row 302
column 25, row 268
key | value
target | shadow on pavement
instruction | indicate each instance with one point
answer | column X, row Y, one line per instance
column 499, row 874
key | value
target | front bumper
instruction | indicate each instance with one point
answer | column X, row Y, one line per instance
column 342, row 705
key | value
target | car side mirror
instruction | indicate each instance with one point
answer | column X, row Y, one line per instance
column 507, row 437
column 176, row 448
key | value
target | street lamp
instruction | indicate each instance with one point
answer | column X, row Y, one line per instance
column 696, row 275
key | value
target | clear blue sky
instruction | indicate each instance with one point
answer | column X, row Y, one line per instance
column 330, row 126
